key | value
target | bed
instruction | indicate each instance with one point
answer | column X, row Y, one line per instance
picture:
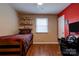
column 15, row 44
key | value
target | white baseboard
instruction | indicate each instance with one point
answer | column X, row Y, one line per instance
column 45, row 42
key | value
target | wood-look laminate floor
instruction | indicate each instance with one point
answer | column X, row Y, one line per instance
column 44, row 50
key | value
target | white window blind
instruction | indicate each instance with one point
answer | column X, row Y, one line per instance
column 42, row 25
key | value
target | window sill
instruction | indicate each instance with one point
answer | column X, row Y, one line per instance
column 41, row 33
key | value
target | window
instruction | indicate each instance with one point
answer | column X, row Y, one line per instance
column 41, row 25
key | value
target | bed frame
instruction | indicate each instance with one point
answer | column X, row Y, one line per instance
column 12, row 47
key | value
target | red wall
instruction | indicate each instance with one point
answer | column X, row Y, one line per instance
column 71, row 14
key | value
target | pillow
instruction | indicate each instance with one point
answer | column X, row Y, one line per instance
column 24, row 31
column 71, row 39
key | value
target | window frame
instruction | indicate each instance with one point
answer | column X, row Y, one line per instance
column 36, row 25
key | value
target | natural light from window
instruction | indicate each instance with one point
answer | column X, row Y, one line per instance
column 41, row 25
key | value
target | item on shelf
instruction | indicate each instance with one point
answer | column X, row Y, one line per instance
column 25, row 22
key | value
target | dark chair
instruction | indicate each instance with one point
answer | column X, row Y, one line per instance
column 69, row 46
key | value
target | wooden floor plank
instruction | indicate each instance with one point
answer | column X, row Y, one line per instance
column 44, row 50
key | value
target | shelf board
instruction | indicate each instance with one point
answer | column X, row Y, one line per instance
column 26, row 24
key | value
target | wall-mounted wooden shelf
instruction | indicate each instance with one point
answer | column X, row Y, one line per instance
column 25, row 21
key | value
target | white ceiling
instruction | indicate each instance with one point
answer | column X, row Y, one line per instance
column 46, row 8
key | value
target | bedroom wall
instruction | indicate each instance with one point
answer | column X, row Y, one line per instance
column 71, row 14
column 45, row 38
column 8, row 20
